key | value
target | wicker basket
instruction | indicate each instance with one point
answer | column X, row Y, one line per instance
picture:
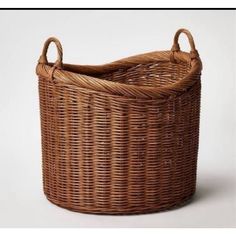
column 121, row 138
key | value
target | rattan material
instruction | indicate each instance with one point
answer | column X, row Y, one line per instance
column 121, row 138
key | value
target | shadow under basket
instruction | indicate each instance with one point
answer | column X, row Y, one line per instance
column 121, row 138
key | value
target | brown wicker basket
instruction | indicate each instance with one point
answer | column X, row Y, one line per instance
column 121, row 138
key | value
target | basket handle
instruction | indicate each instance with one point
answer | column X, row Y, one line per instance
column 43, row 58
column 176, row 48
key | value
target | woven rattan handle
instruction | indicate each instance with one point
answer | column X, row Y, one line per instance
column 43, row 58
column 175, row 48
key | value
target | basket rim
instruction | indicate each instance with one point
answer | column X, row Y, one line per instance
column 69, row 75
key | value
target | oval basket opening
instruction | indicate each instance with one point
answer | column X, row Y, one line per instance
column 151, row 74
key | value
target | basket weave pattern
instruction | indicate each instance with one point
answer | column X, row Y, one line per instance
column 121, row 138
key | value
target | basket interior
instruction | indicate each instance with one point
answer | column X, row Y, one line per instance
column 151, row 74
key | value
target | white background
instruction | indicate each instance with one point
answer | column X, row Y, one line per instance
column 96, row 37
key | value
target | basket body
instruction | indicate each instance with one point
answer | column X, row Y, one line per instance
column 112, row 154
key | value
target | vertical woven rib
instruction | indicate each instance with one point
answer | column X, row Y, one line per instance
column 101, row 156
column 119, row 152
column 88, row 150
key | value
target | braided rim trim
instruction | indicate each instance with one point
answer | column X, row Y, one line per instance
column 64, row 77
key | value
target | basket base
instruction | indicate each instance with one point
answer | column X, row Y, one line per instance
column 130, row 211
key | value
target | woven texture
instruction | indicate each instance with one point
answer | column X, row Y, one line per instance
column 121, row 138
